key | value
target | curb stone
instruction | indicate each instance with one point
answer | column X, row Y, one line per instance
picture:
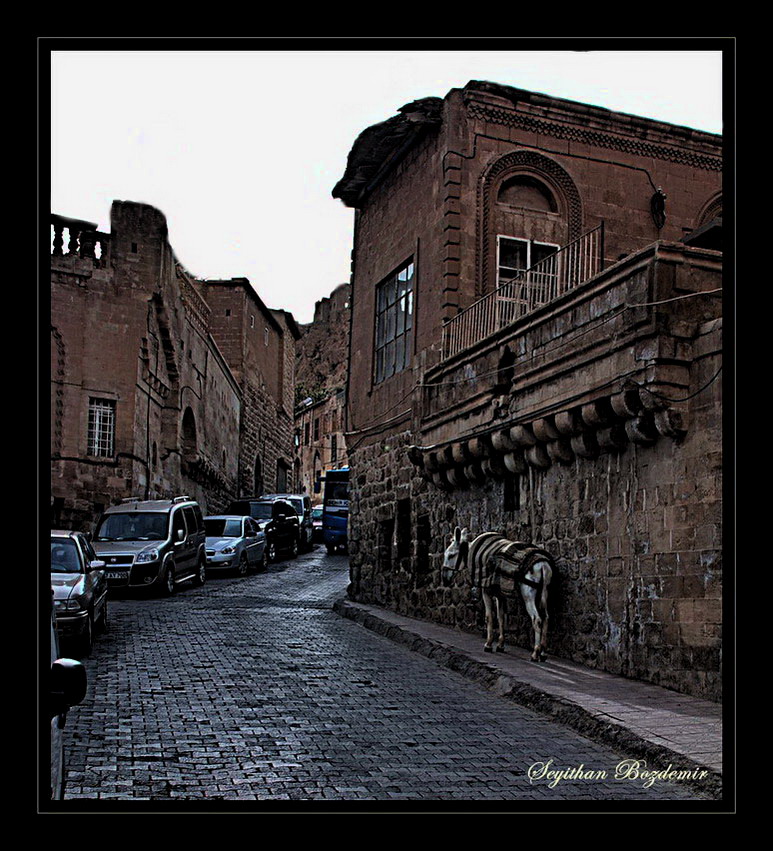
column 558, row 709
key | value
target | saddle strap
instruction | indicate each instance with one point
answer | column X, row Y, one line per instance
column 524, row 561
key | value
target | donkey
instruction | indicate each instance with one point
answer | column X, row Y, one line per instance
column 499, row 567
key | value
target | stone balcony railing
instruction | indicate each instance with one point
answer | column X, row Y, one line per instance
column 83, row 240
column 604, row 365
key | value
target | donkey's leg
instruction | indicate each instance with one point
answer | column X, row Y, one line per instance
column 502, row 618
column 489, row 621
column 529, row 598
column 547, row 575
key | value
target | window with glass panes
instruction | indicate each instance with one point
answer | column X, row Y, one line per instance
column 518, row 255
column 394, row 322
column 101, row 429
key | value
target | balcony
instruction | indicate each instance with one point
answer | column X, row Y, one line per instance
column 570, row 266
column 574, row 371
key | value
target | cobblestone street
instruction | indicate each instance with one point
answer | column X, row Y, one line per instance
column 254, row 689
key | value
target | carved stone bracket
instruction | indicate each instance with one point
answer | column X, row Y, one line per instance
column 610, row 424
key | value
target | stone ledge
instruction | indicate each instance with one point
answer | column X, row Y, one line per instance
column 560, row 709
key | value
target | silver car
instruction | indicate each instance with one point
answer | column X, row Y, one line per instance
column 80, row 588
column 234, row 543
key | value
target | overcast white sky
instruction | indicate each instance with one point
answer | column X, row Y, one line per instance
column 241, row 150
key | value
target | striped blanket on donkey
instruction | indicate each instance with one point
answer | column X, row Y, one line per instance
column 501, row 568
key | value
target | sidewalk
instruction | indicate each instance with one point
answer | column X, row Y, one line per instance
column 640, row 720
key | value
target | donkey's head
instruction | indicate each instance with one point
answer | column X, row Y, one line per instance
column 455, row 556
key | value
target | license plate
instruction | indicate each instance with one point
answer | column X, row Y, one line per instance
column 112, row 574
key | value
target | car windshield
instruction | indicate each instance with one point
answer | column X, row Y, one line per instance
column 133, row 526
column 64, row 557
column 337, row 490
column 297, row 504
column 223, row 528
column 261, row 510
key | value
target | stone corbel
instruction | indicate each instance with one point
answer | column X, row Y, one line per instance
column 522, row 436
column 544, row 430
column 585, row 444
column 560, row 451
column 537, row 456
column 641, row 430
column 501, row 442
column 515, row 462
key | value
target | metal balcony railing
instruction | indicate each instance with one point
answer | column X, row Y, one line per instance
column 573, row 264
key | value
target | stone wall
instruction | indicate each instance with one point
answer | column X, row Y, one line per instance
column 636, row 536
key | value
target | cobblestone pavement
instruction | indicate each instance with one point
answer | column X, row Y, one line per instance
column 254, row 689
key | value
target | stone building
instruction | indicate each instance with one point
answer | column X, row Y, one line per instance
column 536, row 350
column 319, row 429
column 144, row 399
column 259, row 345
column 321, row 365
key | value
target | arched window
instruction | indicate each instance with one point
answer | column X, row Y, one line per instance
column 189, row 444
column 527, row 193
column 528, row 206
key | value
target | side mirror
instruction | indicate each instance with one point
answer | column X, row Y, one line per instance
column 96, row 565
column 68, row 685
column 181, row 534
column 250, row 533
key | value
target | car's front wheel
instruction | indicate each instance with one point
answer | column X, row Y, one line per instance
column 102, row 622
column 201, row 572
column 86, row 640
column 167, row 582
column 242, row 567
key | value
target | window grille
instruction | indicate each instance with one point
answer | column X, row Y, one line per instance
column 101, row 431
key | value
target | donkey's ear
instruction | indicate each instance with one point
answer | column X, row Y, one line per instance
column 465, row 534
column 457, row 534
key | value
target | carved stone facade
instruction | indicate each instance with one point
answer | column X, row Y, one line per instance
column 144, row 400
column 590, row 423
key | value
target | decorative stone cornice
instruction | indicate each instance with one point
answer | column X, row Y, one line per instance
column 596, row 138
column 636, row 415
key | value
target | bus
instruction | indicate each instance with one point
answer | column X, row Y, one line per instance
column 335, row 509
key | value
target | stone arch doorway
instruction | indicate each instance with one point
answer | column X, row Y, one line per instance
column 188, row 436
column 282, row 476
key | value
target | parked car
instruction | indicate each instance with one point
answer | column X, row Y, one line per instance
column 316, row 520
column 80, row 588
column 302, row 505
column 154, row 543
column 277, row 519
column 234, row 542
column 66, row 688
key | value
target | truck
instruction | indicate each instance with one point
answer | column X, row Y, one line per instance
column 335, row 509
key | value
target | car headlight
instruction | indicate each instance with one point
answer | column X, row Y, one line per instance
column 73, row 604
column 146, row 556
column 227, row 551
